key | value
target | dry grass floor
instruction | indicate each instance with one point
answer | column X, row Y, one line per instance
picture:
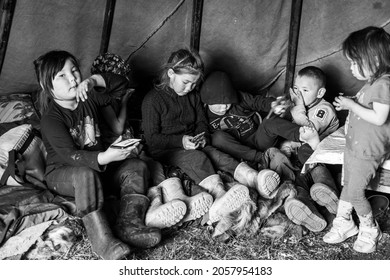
column 195, row 243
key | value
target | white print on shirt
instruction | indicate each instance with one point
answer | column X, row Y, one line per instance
column 320, row 114
column 85, row 133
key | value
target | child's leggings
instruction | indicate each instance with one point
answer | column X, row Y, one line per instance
column 357, row 174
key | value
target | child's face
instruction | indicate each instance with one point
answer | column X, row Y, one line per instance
column 182, row 83
column 219, row 109
column 356, row 73
column 66, row 81
column 308, row 87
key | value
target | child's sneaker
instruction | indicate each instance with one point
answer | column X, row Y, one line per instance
column 367, row 239
column 303, row 212
column 341, row 230
column 326, row 196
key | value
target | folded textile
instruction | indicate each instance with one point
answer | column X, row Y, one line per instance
column 330, row 150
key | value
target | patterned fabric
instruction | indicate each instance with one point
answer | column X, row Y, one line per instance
column 16, row 107
column 110, row 63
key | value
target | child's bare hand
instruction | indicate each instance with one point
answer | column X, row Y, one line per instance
column 343, row 103
column 113, row 154
column 278, row 108
column 202, row 143
column 296, row 97
column 188, row 143
column 308, row 134
column 127, row 95
column 83, row 88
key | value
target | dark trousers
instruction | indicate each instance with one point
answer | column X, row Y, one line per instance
column 250, row 147
column 199, row 164
column 88, row 186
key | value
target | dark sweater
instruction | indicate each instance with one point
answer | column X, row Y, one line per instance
column 167, row 117
column 241, row 116
column 74, row 137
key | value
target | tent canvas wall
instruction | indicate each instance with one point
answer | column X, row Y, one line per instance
column 249, row 39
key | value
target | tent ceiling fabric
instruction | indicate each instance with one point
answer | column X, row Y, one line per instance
column 39, row 26
column 246, row 38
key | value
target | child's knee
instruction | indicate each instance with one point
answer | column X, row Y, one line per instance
column 218, row 138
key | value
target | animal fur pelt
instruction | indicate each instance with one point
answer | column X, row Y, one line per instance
column 258, row 213
column 56, row 241
column 278, row 224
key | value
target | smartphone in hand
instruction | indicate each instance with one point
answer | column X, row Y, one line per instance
column 125, row 143
column 198, row 138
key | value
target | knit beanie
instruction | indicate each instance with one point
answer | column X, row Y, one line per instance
column 218, row 89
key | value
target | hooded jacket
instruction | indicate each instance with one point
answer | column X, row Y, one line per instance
column 243, row 115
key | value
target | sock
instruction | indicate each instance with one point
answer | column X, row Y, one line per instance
column 344, row 209
column 367, row 220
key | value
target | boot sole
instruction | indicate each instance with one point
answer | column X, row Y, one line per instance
column 300, row 214
column 231, row 201
column 116, row 250
column 267, row 183
column 147, row 238
column 167, row 215
column 324, row 196
column 197, row 206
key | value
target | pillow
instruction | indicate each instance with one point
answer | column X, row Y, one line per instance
column 17, row 107
column 14, row 140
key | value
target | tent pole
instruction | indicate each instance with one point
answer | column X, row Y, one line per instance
column 7, row 13
column 197, row 11
column 107, row 25
column 296, row 9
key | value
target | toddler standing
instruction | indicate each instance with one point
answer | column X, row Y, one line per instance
column 367, row 135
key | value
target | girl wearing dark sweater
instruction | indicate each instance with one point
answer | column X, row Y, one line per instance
column 173, row 116
column 78, row 164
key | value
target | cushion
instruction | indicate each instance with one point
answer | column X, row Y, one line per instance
column 18, row 107
column 14, row 140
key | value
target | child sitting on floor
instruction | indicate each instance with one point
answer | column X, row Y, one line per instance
column 238, row 130
column 310, row 109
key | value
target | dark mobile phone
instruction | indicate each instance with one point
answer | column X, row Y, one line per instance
column 198, row 137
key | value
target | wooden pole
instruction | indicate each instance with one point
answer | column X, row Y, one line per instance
column 107, row 25
column 196, row 24
column 7, row 14
column 296, row 9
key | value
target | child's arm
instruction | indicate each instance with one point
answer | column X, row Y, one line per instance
column 298, row 110
column 258, row 103
column 85, row 86
column 117, row 122
column 377, row 115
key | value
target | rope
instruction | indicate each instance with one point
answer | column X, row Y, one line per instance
column 156, row 30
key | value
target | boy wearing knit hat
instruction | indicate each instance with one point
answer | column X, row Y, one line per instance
column 236, row 124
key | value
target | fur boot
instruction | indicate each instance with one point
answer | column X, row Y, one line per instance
column 197, row 205
column 265, row 182
column 163, row 215
column 225, row 202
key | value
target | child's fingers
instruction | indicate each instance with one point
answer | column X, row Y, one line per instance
column 117, row 140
